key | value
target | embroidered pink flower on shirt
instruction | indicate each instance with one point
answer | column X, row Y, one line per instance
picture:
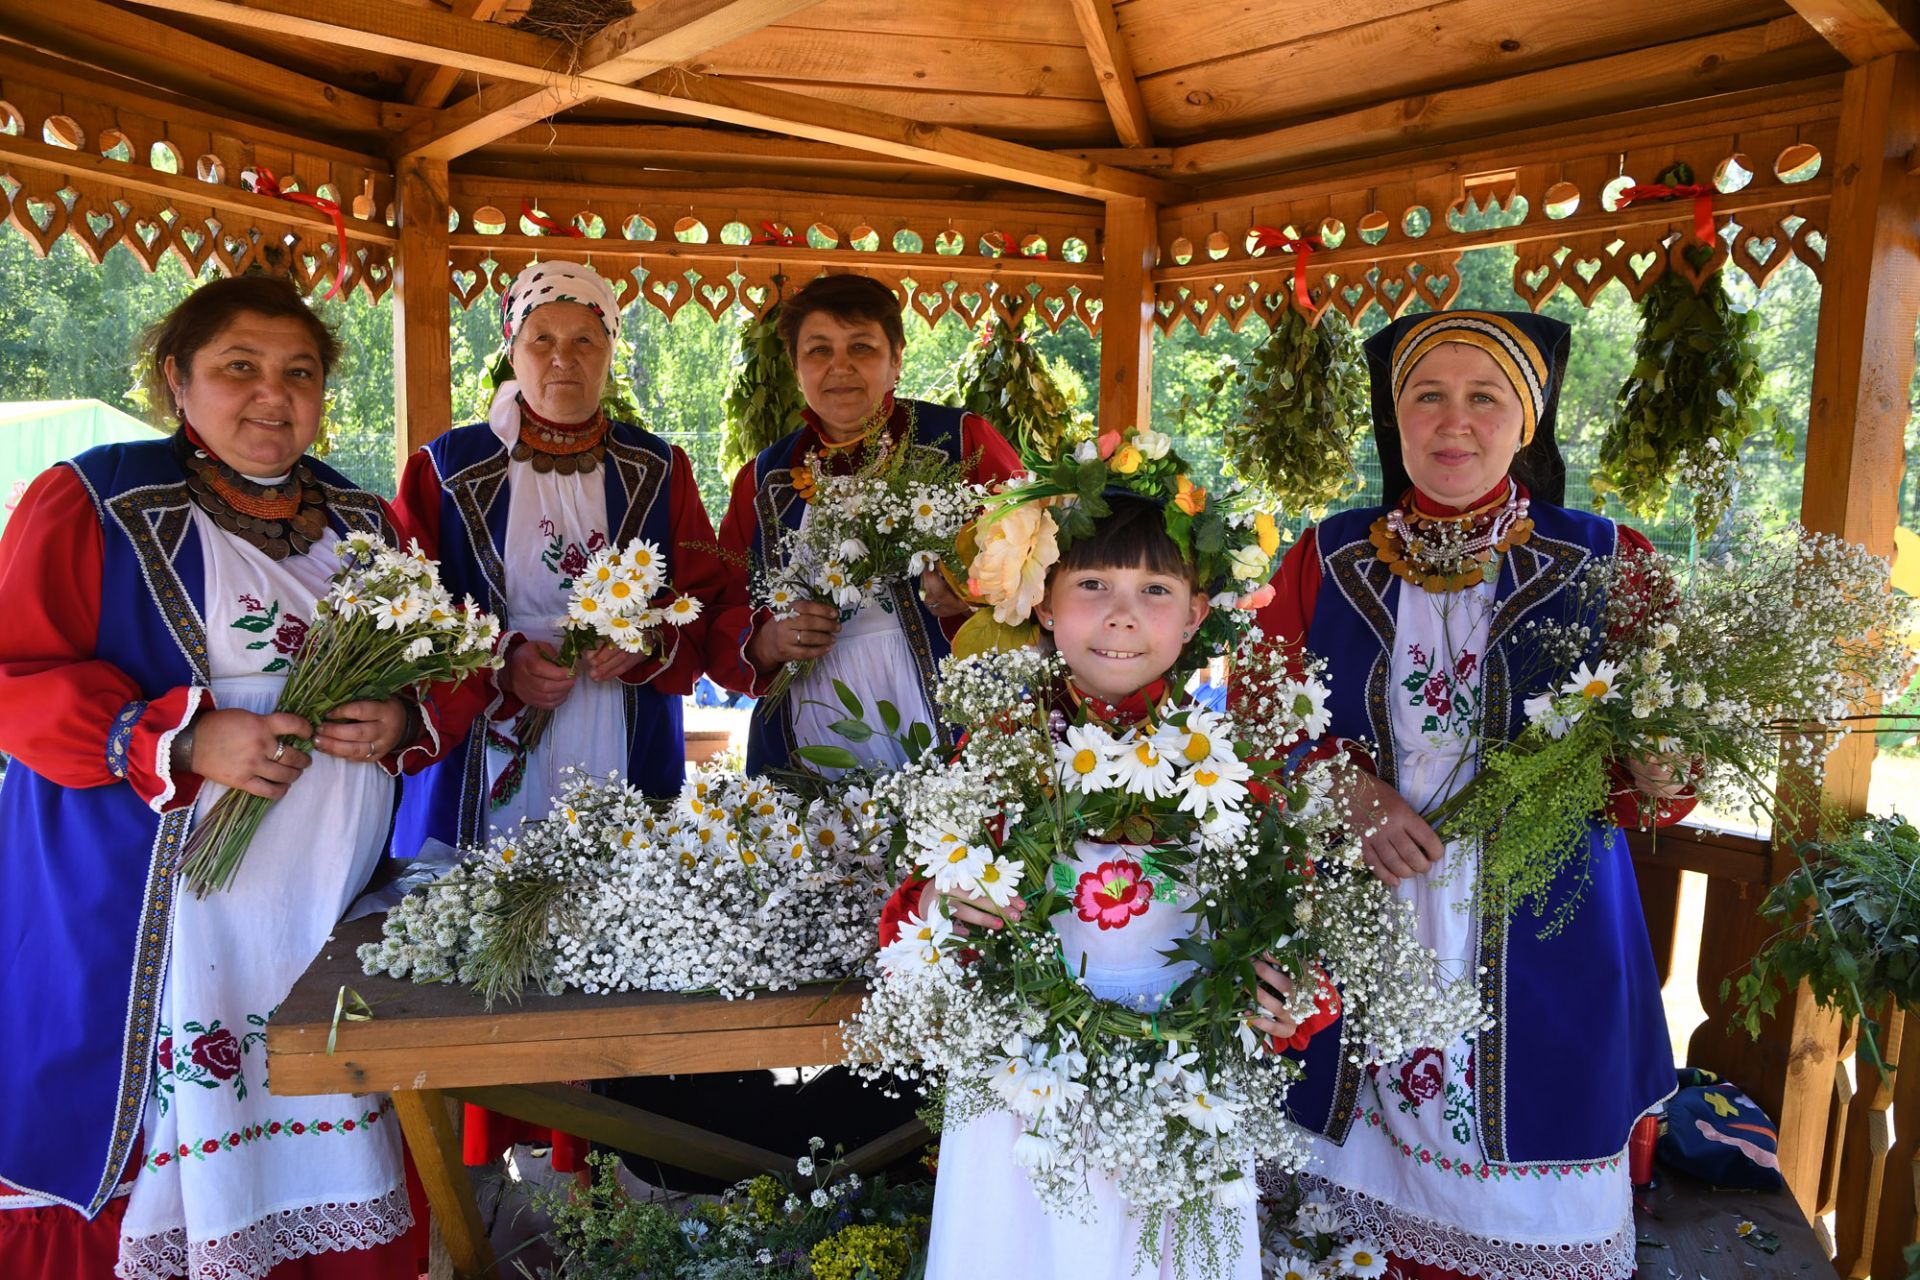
column 292, row 632
column 1420, row 1075
column 1112, row 895
column 219, row 1052
column 573, row 561
column 163, row 1054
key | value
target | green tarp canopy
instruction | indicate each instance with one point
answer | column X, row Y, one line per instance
column 35, row 434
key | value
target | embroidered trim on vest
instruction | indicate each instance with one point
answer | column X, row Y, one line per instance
column 1552, row 566
column 474, row 492
column 140, row 513
column 359, row 511
column 913, row 623
column 643, row 474
column 120, row 735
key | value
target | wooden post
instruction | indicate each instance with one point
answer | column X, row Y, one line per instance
column 422, row 313
column 1863, row 362
column 434, row 1140
column 1128, row 249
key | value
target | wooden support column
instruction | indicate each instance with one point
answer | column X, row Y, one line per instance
column 1128, row 248
column 422, row 309
column 1863, row 363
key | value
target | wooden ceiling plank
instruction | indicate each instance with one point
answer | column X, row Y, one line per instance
column 1113, row 67
column 782, row 189
column 1052, row 123
column 925, row 63
column 1863, row 30
column 611, row 187
column 1016, row 268
column 1030, row 22
column 661, row 35
column 489, row 50
column 1784, row 49
column 429, row 85
column 1165, row 34
column 134, row 45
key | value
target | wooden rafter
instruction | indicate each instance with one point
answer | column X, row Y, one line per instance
column 694, row 147
column 1113, row 66
column 1863, row 30
column 429, row 85
column 1766, row 53
column 525, row 59
column 661, row 35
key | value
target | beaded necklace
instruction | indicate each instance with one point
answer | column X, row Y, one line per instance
column 281, row 519
column 555, row 446
column 1447, row 553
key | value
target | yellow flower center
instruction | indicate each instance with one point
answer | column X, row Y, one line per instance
column 749, row 857
column 507, row 854
column 1205, row 777
column 620, row 590
column 826, row 836
column 1199, row 747
column 1085, row 761
column 959, row 855
column 990, row 874
column 1595, row 688
column 1144, row 753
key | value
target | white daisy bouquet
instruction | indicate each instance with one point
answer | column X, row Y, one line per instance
column 1723, row 669
column 1174, row 1098
column 384, row 626
column 895, row 516
column 615, row 600
column 733, row 886
column 1302, row 1238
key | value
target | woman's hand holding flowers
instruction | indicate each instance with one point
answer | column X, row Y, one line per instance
column 242, row 750
column 970, row 909
column 1274, row 1021
column 1659, row 777
column 609, row 662
column 364, row 730
column 534, row 675
column 805, row 635
column 1397, row 843
column 939, row 597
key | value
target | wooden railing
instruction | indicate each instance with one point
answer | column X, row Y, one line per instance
column 1855, row 1171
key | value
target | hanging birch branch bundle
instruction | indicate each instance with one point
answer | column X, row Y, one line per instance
column 1004, row 380
column 764, row 400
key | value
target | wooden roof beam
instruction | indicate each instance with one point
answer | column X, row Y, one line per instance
column 500, row 53
column 1113, row 67
column 429, row 84
column 1766, row 53
column 1863, row 30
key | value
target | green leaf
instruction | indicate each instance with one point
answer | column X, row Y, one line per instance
column 828, row 757
column 848, row 699
column 889, row 716
column 852, row 730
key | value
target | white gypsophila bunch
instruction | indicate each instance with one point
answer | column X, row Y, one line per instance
column 734, row 886
column 427, row 936
column 984, row 688
column 1280, row 695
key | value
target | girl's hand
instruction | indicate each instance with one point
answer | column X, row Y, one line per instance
column 534, row 675
column 966, row 909
column 808, row 634
column 1396, row 842
column 939, row 598
column 363, row 730
column 610, row 663
column 243, row 750
column 1274, row 1020
column 1660, row 777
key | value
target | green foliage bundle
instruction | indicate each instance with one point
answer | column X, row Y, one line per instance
column 1692, row 399
column 1858, row 945
column 764, row 401
column 1003, row 378
column 1303, row 401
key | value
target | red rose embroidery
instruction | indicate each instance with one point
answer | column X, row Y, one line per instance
column 293, row 630
column 274, row 1127
column 252, row 603
column 1420, row 1076
column 1471, row 1057
column 346, row 1126
column 1112, row 895
column 325, row 1126
column 210, row 1146
column 1463, row 666
column 160, row 1161
column 219, row 1052
column 1436, row 693
column 573, row 562
column 298, row 1128
column 163, row 1054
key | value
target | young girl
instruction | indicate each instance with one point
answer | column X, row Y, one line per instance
column 1120, row 606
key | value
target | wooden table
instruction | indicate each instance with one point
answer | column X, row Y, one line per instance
column 1687, row 1230
column 430, row 1045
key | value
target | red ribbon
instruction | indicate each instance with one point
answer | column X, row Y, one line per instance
column 774, row 233
column 1302, row 251
column 547, row 224
column 1010, row 248
column 1702, row 203
column 265, row 184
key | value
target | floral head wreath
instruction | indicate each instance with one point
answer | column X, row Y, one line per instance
column 1028, row 525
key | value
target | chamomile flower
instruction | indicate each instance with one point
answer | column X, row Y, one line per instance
column 1142, row 769
column 1595, row 683
column 1086, row 758
column 1361, row 1259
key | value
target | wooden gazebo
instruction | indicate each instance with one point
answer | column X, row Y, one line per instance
column 1096, row 162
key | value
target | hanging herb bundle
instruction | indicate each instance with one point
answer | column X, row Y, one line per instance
column 1691, row 400
column 1003, row 379
column 1303, row 401
column 1856, row 946
column 764, row 399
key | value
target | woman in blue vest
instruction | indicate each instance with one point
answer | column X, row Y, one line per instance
column 846, row 340
column 512, row 507
column 1503, row 1154
column 154, row 593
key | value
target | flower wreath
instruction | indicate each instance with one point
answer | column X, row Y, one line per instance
column 1174, row 1098
column 1027, row 526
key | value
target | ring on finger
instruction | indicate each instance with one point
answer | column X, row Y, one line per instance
column 279, row 750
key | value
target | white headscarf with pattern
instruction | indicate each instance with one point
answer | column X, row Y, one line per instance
column 545, row 282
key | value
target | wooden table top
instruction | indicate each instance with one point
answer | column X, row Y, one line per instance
column 440, row 1035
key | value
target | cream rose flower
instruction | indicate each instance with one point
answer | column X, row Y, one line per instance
column 1016, row 550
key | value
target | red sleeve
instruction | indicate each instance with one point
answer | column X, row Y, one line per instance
column 74, row 719
column 698, row 571
column 893, row 916
column 734, row 623
column 994, row 460
column 1286, row 617
column 416, row 507
column 1627, row 811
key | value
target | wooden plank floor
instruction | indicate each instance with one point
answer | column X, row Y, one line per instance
column 441, row 1036
column 1688, row 1230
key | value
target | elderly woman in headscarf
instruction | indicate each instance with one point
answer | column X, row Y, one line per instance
column 845, row 337
column 1504, row 1153
column 512, row 507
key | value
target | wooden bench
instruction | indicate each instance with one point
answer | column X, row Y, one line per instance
column 1687, row 1230
column 432, row 1045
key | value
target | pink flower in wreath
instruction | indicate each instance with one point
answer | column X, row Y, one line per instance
column 1113, row 895
column 163, row 1054
column 219, row 1052
column 293, row 630
column 1420, row 1075
column 573, row 562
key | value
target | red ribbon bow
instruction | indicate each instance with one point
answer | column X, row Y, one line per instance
column 1010, row 248
column 263, row 183
column 1702, row 203
column 774, row 233
column 1302, row 251
column 547, row 224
